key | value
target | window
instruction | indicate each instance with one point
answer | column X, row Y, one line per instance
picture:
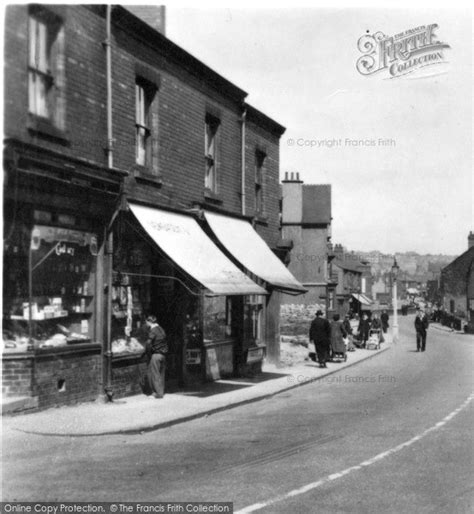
column 144, row 95
column 46, row 66
column 259, row 180
column 210, row 152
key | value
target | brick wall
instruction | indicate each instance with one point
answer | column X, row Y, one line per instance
column 17, row 374
column 257, row 137
column 126, row 376
column 85, row 86
column 183, row 100
column 67, row 377
column 61, row 376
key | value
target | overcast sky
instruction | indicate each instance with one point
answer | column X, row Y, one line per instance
column 299, row 67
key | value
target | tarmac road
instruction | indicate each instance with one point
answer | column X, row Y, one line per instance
column 391, row 434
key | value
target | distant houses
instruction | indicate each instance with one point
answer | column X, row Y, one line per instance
column 457, row 287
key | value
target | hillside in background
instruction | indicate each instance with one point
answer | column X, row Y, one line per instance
column 411, row 263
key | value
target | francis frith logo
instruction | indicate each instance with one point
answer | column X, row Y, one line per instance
column 401, row 54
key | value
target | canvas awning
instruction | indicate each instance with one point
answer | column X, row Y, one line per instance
column 182, row 239
column 362, row 299
column 239, row 238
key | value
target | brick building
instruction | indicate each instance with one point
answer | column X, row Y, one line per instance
column 132, row 172
column 457, row 286
column 306, row 223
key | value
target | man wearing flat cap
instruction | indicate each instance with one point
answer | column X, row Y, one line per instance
column 320, row 335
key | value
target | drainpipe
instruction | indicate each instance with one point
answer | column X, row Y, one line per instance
column 242, row 193
column 108, row 236
column 108, row 49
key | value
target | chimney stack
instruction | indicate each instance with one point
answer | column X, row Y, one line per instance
column 292, row 177
column 470, row 240
column 153, row 15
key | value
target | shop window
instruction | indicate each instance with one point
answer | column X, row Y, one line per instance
column 145, row 94
column 210, row 152
column 217, row 318
column 259, row 180
column 56, row 306
column 46, row 67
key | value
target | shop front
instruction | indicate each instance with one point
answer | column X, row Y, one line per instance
column 164, row 264
column 52, row 285
column 244, row 246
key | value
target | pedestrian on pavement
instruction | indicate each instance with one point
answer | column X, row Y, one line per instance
column 338, row 334
column 364, row 327
column 348, row 328
column 376, row 324
column 320, row 335
column 421, row 327
column 384, row 319
column 157, row 348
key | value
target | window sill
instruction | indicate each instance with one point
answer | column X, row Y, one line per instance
column 211, row 197
column 44, row 127
column 144, row 175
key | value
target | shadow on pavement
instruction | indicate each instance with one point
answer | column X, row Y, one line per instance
column 226, row 385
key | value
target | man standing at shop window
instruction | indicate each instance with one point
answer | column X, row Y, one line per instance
column 157, row 348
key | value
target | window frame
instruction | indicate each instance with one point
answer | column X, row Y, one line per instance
column 260, row 158
column 145, row 93
column 43, row 33
column 211, row 142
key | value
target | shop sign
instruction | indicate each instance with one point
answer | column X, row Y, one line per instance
column 254, row 355
column 63, row 235
column 193, row 356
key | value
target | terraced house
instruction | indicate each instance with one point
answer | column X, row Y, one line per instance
column 137, row 180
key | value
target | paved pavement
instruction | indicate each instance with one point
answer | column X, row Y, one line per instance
column 141, row 413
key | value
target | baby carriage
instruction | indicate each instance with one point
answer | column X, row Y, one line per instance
column 373, row 343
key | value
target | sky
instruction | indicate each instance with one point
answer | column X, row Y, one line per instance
column 413, row 193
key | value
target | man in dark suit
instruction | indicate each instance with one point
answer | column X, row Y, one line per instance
column 421, row 327
column 364, row 327
column 320, row 335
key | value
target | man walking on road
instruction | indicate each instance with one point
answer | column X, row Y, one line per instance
column 320, row 335
column 421, row 327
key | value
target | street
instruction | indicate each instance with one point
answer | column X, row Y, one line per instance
column 311, row 449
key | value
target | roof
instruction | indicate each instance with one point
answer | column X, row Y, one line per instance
column 139, row 29
column 461, row 264
column 347, row 266
column 262, row 120
column 316, row 204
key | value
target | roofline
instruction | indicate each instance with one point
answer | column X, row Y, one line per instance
column 127, row 21
column 253, row 114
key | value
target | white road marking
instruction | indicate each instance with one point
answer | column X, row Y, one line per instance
column 335, row 476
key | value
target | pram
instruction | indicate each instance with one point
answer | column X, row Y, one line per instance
column 373, row 343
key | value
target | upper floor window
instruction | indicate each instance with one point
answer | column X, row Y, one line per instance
column 45, row 66
column 144, row 96
column 260, row 157
column 210, row 152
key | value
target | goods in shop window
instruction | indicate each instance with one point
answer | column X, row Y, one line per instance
column 122, row 346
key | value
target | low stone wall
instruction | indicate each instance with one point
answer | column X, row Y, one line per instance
column 295, row 319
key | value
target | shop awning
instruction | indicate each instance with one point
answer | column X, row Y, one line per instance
column 362, row 299
column 182, row 239
column 250, row 250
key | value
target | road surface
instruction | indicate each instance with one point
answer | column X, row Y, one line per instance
column 391, row 434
